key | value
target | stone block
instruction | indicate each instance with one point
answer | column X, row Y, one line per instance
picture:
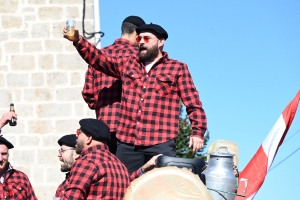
column 17, row 130
column 45, row 190
column 24, row 157
column 79, row 108
column 30, row 18
column 53, row 174
column 69, row 94
column 38, row 174
column 37, row 2
column 53, row 45
column 52, row 110
column 12, row 47
column 32, row 46
column 5, row 98
column 50, row 140
column 39, row 126
column 4, row 35
column 25, row 110
column 29, row 141
column 37, row 79
column 38, row 94
column 57, row 30
column 67, row 126
column 3, row 68
column 17, row 79
column 41, row 30
column 2, row 84
column 30, row 9
column 20, row 34
column 10, row 21
column 8, row 6
column 50, row 13
column 46, row 62
column 22, row 62
column 47, row 157
column 67, row 2
column 72, row 12
column 56, row 79
column 77, row 78
column 70, row 62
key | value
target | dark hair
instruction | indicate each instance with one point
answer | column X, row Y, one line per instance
column 128, row 28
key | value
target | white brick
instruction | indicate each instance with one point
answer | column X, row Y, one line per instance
column 56, row 78
column 40, row 126
column 52, row 110
column 69, row 94
column 12, row 47
column 17, row 80
column 37, row 79
column 22, row 62
column 38, row 94
column 24, row 157
column 68, row 126
column 46, row 62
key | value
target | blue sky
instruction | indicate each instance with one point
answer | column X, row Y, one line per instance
column 244, row 58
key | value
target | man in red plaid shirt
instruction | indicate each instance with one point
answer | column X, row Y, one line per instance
column 67, row 156
column 101, row 92
column 14, row 184
column 97, row 173
column 152, row 86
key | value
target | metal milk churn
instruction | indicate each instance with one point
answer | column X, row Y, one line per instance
column 219, row 177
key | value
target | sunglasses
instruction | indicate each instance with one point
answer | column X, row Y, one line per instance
column 139, row 38
column 78, row 131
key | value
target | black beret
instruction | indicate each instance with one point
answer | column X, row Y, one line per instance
column 154, row 28
column 95, row 128
column 6, row 143
column 68, row 140
column 135, row 20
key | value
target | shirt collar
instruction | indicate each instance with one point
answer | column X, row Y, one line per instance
column 97, row 147
column 123, row 42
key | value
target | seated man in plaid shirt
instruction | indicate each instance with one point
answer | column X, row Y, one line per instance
column 152, row 86
column 67, row 156
column 14, row 184
column 97, row 173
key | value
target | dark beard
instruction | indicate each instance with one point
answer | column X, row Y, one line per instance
column 150, row 55
column 66, row 167
column 79, row 147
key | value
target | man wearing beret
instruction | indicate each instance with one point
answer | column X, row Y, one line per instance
column 67, row 156
column 152, row 86
column 97, row 174
column 14, row 184
column 101, row 92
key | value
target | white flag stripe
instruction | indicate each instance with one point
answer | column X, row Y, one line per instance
column 271, row 142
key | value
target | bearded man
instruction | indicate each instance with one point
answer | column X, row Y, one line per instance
column 152, row 86
column 67, row 156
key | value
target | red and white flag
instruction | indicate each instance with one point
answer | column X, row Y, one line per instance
column 257, row 169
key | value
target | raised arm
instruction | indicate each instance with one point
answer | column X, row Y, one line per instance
column 96, row 58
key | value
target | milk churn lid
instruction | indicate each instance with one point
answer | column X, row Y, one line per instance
column 222, row 152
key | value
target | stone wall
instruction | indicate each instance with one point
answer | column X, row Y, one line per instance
column 43, row 75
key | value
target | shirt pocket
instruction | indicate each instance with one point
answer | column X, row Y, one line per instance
column 18, row 191
column 165, row 84
column 131, row 80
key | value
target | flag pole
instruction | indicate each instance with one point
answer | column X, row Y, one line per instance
column 97, row 23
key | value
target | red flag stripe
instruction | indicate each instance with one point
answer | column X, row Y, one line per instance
column 256, row 170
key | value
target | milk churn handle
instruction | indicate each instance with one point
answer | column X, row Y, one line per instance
column 222, row 147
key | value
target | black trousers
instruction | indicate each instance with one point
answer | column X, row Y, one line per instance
column 112, row 144
column 135, row 157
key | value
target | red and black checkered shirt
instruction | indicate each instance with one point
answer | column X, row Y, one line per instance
column 62, row 187
column 150, row 106
column 97, row 174
column 101, row 92
column 16, row 185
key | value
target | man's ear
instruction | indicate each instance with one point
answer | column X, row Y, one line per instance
column 89, row 140
column 161, row 42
